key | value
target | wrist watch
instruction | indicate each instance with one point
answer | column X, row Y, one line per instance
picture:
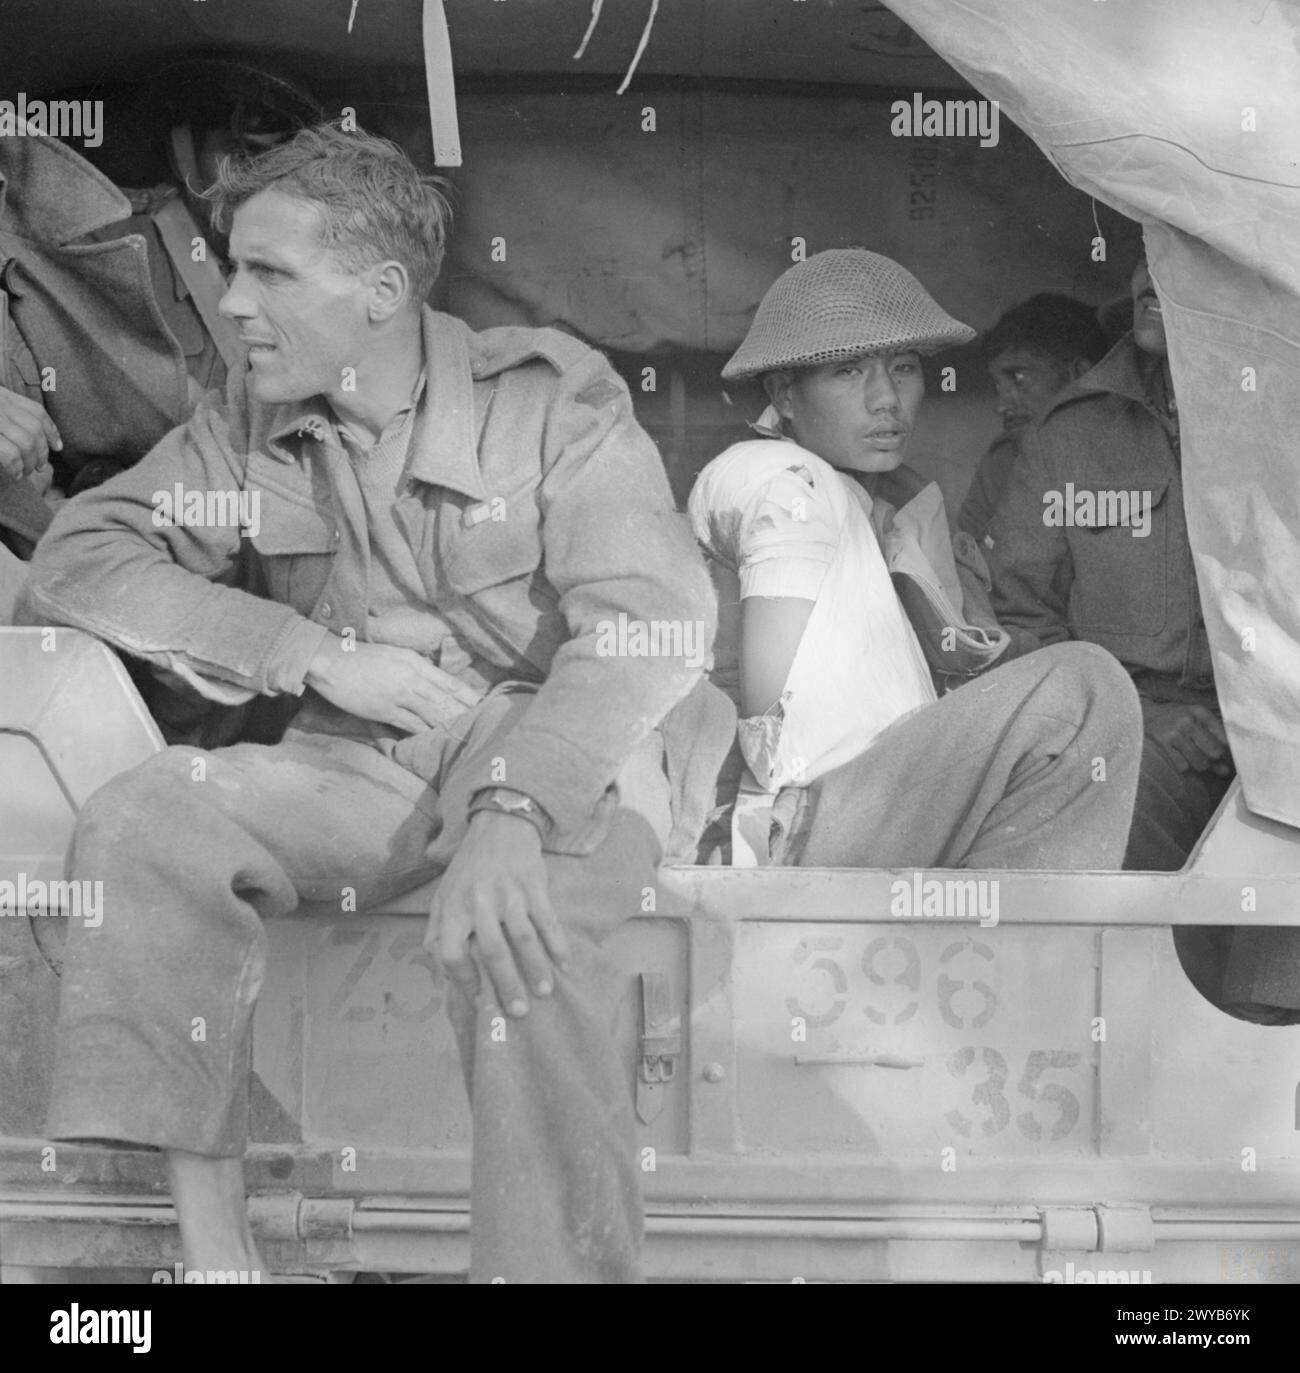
column 507, row 802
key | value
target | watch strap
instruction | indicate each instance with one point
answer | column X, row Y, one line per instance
column 506, row 802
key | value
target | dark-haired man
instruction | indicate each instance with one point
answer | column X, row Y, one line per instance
column 1035, row 349
column 445, row 526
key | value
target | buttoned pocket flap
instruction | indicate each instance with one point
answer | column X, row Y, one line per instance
column 486, row 552
column 1098, row 509
column 290, row 519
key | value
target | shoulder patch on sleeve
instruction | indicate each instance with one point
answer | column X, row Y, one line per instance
column 599, row 393
column 510, row 345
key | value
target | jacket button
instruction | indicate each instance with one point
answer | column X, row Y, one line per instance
column 1205, row 680
column 326, row 610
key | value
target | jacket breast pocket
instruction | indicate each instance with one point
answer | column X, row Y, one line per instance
column 295, row 547
column 491, row 544
column 500, row 596
column 1121, row 562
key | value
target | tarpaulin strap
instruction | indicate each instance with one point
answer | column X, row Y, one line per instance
column 441, row 86
column 178, row 230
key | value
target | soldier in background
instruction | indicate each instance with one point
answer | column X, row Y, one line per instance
column 1130, row 585
column 1037, row 348
column 109, row 331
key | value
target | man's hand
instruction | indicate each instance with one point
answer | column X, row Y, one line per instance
column 27, row 434
column 1193, row 735
column 391, row 685
column 494, row 893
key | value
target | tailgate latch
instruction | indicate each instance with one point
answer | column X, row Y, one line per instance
column 660, row 1045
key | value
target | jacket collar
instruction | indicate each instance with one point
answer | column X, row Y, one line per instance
column 445, row 440
column 59, row 197
column 1124, row 371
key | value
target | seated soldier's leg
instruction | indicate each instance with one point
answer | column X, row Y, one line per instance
column 1251, row 972
column 1172, row 809
column 1034, row 765
column 1171, row 812
column 1261, row 975
column 556, row 1183
column 194, row 850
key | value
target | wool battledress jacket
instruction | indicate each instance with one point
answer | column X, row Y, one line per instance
column 1131, row 589
column 538, row 512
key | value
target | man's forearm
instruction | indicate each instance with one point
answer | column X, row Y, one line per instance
column 581, row 728
column 204, row 632
column 162, row 590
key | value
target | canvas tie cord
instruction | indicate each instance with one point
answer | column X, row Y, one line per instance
column 596, row 7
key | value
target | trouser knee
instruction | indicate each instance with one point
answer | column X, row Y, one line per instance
column 1101, row 691
column 136, row 809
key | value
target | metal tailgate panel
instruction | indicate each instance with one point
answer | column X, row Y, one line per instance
column 354, row 1049
column 901, row 1043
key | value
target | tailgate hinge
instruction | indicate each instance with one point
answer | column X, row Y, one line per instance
column 1125, row 1229
column 1067, row 1231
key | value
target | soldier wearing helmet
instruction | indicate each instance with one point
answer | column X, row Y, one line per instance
column 849, row 615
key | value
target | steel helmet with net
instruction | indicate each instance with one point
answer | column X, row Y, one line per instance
column 840, row 304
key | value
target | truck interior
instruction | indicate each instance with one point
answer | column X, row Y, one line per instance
column 649, row 223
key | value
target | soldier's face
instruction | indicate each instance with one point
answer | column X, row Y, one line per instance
column 857, row 414
column 1148, row 318
column 301, row 313
column 1025, row 382
column 198, row 167
column 212, row 144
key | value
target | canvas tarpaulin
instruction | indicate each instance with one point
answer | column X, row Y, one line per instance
column 1185, row 114
column 570, row 212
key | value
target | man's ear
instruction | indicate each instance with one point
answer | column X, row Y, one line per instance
column 1077, row 367
column 390, row 290
column 779, row 386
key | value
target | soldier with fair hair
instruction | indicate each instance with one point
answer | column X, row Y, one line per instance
column 448, row 522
